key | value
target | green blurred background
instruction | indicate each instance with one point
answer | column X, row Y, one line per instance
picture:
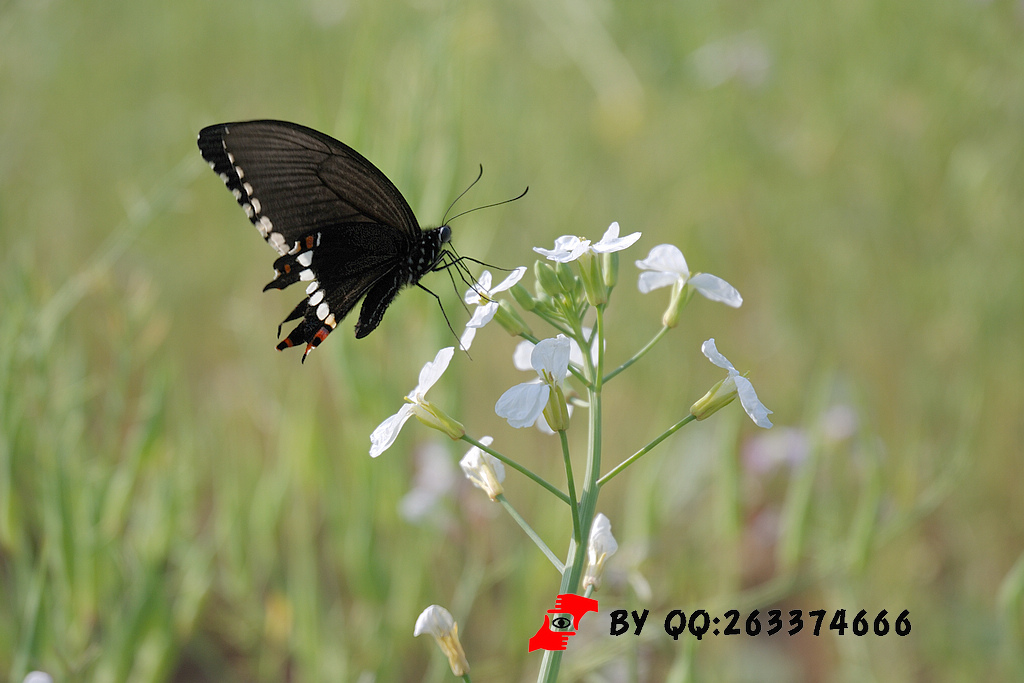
column 180, row 502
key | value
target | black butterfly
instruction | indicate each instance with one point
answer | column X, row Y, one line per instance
column 337, row 221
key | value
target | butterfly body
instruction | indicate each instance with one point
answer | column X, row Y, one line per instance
column 337, row 222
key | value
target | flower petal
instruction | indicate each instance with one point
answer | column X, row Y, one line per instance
column 552, row 355
column 665, row 258
column 716, row 289
column 521, row 356
column 467, row 337
column 612, row 242
column 433, row 370
column 521, row 404
column 601, row 539
column 482, row 287
column 513, row 277
column 652, row 280
column 567, row 248
column 751, row 404
column 387, row 431
column 435, row 620
column 709, row 349
column 483, row 314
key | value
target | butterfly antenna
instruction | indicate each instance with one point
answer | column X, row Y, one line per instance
column 486, row 206
column 482, row 263
column 444, row 221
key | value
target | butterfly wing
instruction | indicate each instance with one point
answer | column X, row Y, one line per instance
column 359, row 259
column 291, row 180
column 335, row 219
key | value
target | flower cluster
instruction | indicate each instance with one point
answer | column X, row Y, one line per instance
column 573, row 289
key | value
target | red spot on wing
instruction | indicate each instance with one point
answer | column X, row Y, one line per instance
column 316, row 340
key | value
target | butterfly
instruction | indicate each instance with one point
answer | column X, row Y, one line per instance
column 334, row 218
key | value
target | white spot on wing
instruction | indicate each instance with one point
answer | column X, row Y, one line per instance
column 305, row 258
column 276, row 240
column 322, row 310
column 316, row 298
column 247, row 207
column 231, row 157
column 256, row 205
column 331, row 321
column 312, row 287
column 265, row 226
column 240, row 172
column 248, row 189
column 307, row 274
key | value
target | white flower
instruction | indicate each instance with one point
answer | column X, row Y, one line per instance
column 569, row 247
column 482, row 295
column 600, row 547
column 38, row 677
column 523, row 404
column 727, row 389
column 439, row 623
column 483, row 469
column 416, row 404
column 524, row 349
column 665, row 266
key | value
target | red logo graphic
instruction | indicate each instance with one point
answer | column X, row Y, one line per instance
column 566, row 603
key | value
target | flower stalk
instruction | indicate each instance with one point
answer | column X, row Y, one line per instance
column 580, row 278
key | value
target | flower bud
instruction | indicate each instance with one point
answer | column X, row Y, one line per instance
column 600, row 547
column 566, row 277
column 523, row 297
column 547, row 279
column 681, row 295
column 435, row 418
column 610, row 268
column 484, row 470
column 593, row 281
column 556, row 412
column 719, row 396
column 439, row 623
column 509, row 318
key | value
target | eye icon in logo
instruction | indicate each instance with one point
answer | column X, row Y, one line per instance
column 561, row 622
column 566, row 605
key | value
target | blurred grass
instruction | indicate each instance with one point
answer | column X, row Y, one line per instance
column 179, row 502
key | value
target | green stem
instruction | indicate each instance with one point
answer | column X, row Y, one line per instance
column 572, row 486
column 575, row 559
column 513, row 464
column 645, row 450
column 639, row 354
column 530, row 532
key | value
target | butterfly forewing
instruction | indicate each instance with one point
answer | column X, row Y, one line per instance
column 300, row 180
column 341, row 227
